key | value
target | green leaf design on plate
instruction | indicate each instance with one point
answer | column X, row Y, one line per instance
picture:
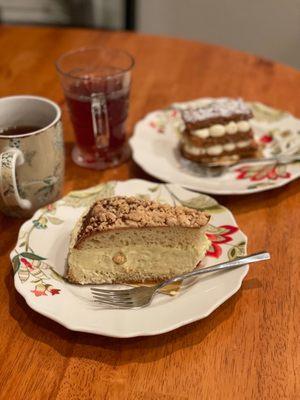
column 216, row 230
column 41, row 222
column 32, row 256
column 263, row 113
column 261, row 184
column 281, row 170
column 55, row 220
column 143, row 196
column 201, row 202
column 23, row 274
column 84, row 198
column 153, row 188
column 16, row 263
column 214, row 209
column 56, row 275
column 22, row 244
column 238, row 250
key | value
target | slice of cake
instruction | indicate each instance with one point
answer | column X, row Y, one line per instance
column 127, row 240
column 218, row 131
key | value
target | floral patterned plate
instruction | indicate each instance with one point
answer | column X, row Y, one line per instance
column 41, row 250
column 155, row 149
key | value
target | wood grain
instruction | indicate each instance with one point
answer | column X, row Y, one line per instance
column 249, row 347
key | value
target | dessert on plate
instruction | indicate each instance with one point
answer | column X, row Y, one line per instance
column 219, row 131
column 130, row 240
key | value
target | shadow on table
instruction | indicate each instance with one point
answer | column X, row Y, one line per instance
column 111, row 350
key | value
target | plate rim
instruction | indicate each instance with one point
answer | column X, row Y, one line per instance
column 170, row 328
column 74, row 326
column 137, row 157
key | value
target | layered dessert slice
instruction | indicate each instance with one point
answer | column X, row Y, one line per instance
column 129, row 240
column 218, row 131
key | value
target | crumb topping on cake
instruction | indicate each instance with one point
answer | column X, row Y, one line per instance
column 131, row 212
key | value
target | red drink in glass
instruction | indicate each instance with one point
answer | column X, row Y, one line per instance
column 98, row 97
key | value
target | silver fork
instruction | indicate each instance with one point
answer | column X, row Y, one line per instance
column 281, row 159
column 142, row 296
column 214, row 169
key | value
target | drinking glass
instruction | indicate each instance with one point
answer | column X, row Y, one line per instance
column 96, row 82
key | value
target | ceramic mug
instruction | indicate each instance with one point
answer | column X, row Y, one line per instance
column 31, row 164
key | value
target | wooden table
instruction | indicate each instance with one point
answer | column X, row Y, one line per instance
column 249, row 347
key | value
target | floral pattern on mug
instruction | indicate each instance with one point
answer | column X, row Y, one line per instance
column 7, row 187
column 14, row 143
column 34, row 176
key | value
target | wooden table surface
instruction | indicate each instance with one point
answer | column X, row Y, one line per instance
column 249, row 347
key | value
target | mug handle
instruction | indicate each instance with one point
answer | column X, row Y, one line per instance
column 9, row 160
column 100, row 120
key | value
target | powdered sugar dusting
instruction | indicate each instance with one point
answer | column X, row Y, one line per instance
column 223, row 107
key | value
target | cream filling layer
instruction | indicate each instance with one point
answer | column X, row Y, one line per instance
column 138, row 261
column 219, row 130
column 216, row 149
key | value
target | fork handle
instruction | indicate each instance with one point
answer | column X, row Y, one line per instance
column 282, row 159
column 238, row 262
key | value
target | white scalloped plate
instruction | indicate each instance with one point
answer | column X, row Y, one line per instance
column 155, row 149
column 42, row 246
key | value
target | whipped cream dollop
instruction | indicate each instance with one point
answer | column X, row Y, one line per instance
column 219, row 130
column 215, row 150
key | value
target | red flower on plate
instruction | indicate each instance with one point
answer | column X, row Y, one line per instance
column 26, row 263
column 266, row 139
column 51, row 207
column 219, row 235
column 174, row 113
column 54, row 291
column 40, row 290
column 258, row 173
column 158, row 126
